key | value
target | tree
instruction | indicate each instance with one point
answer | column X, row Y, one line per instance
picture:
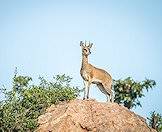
column 25, row 102
column 128, row 91
column 155, row 121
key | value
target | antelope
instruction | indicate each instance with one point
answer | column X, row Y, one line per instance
column 93, row 75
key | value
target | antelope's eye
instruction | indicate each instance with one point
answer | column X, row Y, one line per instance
column 85, row 50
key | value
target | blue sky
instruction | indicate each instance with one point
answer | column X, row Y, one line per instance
column 41, row 38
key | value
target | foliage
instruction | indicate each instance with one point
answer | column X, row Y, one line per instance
column 155, row 121
column 128, row 91
column 25, row 102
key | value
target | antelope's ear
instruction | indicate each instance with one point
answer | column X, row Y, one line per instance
column 81, row 43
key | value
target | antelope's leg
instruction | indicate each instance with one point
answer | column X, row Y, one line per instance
column 108, row 97
column 88, row 86
column 108, row 92
column 85, row 89
column 112, row 97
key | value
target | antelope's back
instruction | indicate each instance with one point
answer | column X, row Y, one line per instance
column 101, row 74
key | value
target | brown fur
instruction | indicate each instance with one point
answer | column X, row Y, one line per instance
column 91, row 74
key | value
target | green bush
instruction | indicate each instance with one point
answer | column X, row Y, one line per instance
column 155, row 121
column 25, row 102
column 128, row 91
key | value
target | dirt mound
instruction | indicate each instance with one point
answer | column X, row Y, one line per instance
column 90, row 115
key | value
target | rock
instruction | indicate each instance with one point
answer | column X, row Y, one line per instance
column 90, row 115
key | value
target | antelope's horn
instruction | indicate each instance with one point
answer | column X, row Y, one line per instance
column 90, row 45
column 81, row 43
column 85, row 44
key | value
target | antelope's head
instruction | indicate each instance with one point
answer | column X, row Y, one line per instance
column 86, row 48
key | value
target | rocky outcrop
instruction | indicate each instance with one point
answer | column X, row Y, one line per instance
column 90, row 115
